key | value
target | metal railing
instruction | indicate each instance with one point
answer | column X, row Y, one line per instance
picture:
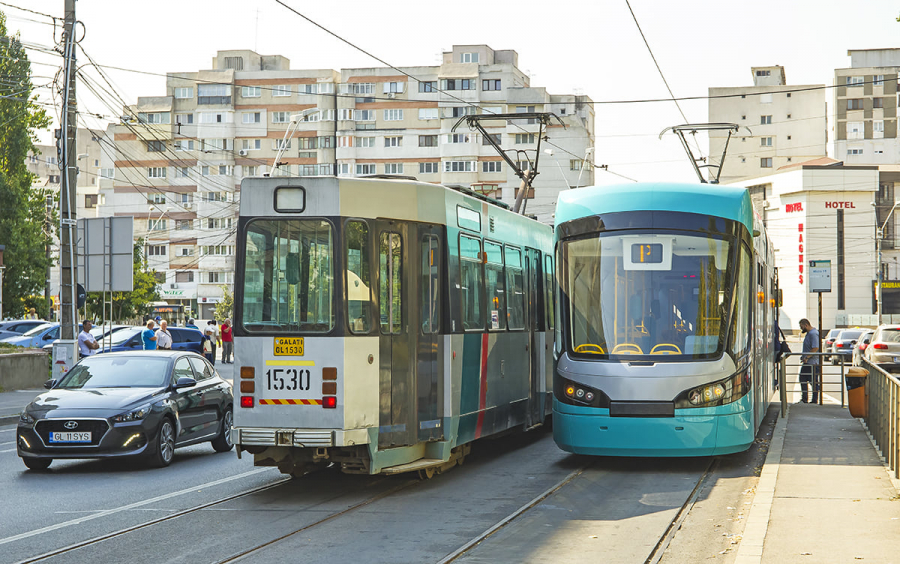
column 883, row 413
column 831, row 378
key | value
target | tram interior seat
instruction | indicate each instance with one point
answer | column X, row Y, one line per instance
column 665, row 348
column 627, row 348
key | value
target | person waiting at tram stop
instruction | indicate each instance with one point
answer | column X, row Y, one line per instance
column 809, row 369
column 227, row 342
column 148, row 336
column 163, row 337
column 87, row 344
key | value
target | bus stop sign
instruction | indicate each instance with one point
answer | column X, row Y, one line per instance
column 819, row 276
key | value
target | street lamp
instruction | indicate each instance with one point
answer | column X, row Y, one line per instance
column 879, row 235
column 587, row 151
column 289, row 133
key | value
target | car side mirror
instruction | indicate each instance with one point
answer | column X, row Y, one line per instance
column 49, row 384
column 185, row 383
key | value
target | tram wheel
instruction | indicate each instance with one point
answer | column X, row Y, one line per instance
column 426, row 473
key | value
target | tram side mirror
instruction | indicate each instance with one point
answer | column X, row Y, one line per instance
column 780, row 298
column 292, row 268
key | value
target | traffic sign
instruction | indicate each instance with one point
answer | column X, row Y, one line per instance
column 819, row 276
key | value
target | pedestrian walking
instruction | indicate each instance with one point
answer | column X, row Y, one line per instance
column 809, row 369
column 163, row 337
column 208, row 349
column 227, row 343
column 213, row 331
column 148, row 336
column 87, row 344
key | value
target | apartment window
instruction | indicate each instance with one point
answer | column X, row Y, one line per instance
column 184, row 145
column 365, row 142
column 393, row 141
column 326, row 169
column 854, row 104
column 765, row 120
column 393, row 115
column 878, row 129
column 326, row 115
column 217, row 277
column 878, row 80
column 855, row 80
column 345, row 114
column 308, row 143
column 457, row 138
column 393, row 87
column 184, row 276
column 251, row 144
column 214, row 196
column 491, row 84
column 183, row 224
column 181, row 172
column 156, row 146
column 107, row 173
column 524, row 166
column 362, row 88
column 281, row 117
column 219, row 222
column 364, row 115
column 576, row 164
column 90, row 201
column 788, row 94
column 877, row 102
column 281, row 144
column 457, row 84
column 789, row 137
column 186, row 199
column 226, row 170
column 765, row 141
column 251, row 117
column 156, row 250
column 345, row 141
column 251, row 170
column 430, row 86
column 763, row 73
column 428, row 140
column 182, row 93
column 429, row 168
column 855, row 130
column 459, row 166
column 307, row 89
column 313, row 116
column 218, row 250
column 156, row 198
column 428, row 113
column 281, row 90
column 363, row 169
column 393, row 168
column 184, row 251
column 156, row 225
column 524, row 138
column 460, row 111
column 854, row 151
column 156, row 172
column 204, row 170
column 218, row 144
column 251, row 91
column 53, row 178
column 469, row 58
column 526, row 110
column 765, row 98
column 789, row 116
column 491, row 166
column 344, row 169
column 213, row 94
column 765, row 162
column 155, row 117
column 216, row 117
column 744, row 117
column 184, row 119
column 494, row 136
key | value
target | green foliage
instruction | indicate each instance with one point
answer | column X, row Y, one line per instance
column 128, row 305
column 23, row 219
column 225, row 308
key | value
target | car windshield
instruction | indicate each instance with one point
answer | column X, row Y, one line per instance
column 833, row 334
column 38, row 329
column 890, row 335
column 850, row 335
column 114, row 371
column 120, row 337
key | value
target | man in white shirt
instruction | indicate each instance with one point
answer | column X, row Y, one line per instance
column 87, row 344
column 163, row 337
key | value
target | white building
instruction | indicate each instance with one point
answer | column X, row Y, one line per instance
column 780, row 125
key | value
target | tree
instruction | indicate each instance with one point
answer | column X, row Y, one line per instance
column 22, row 209
column 225, row 308
column 128, row 305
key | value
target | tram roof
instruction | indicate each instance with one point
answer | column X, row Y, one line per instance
column 711, row 199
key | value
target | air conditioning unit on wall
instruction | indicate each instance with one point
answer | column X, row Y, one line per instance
column 243, row 152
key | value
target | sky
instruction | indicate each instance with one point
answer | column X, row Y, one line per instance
column 591, row 47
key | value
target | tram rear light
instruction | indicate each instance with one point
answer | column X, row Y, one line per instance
column 248, row 387
column 329, row 388
column 329, row 402
column 247, row 372
column 246, row 401
column 329, row 373
column 879, row 346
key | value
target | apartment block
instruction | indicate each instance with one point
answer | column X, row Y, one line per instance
column 179, row 158
column 780, row 125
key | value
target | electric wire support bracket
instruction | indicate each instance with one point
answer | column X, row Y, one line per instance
column 693, row 128
column 543, row 118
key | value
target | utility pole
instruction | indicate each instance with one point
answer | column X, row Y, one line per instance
column 67, row 292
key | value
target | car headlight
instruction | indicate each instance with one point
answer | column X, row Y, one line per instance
column 26, row 419
column 133, row 415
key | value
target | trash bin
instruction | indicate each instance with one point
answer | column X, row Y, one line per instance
column 856, row 386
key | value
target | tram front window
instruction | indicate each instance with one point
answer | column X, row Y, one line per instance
column 288, row 276
column 653, row 293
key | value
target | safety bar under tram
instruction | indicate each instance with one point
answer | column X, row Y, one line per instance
column 883, row 413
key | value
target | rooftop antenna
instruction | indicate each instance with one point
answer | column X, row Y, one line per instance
column 693, row 128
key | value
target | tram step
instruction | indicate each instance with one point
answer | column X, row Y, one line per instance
column 420, row 464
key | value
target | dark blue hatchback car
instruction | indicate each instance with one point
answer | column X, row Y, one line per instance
column 183, row 339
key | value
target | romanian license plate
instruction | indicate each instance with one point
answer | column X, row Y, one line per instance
column 77, row 437
column 897, row 359
column 288, row 346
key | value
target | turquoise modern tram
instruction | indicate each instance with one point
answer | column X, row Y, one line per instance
column 381, row 325
column 666, row 296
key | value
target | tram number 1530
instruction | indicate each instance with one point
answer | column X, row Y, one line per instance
column 287, row 379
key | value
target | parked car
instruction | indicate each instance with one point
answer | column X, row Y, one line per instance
column 44, row 335
column 183, row 339
column 843, row 345
column 144, row 403
column 15, row 328
column 828, row 346
column 98, row 332
column 860, row 348
column 884, row 349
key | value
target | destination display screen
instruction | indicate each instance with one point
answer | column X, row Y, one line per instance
column 646, row 253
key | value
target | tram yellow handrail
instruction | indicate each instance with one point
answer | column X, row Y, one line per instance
column 665, row 348
column 584, row 348
column 627, row 348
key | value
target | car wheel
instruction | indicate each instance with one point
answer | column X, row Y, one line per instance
column 165, row 445
column 222, row 442
column 37, row 464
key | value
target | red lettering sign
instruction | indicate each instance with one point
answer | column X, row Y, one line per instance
column 796, row 207
column 840, row 205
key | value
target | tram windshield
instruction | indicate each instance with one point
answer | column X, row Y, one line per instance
column 656, row 293
column 288, row 276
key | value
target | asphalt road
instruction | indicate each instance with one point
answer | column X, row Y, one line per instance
column 610, row 509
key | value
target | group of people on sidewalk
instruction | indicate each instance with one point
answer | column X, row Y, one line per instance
column 161, row 338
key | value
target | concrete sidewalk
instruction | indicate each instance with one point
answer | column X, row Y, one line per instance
column 824, row 494
column 12, row 403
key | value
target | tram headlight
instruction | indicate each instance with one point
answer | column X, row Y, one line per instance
column 574, row 393
column 721, row 392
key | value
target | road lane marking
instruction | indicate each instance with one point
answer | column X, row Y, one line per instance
column 8, row 450
column 107, row 512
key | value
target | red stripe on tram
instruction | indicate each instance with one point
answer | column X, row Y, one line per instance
column 482, row 398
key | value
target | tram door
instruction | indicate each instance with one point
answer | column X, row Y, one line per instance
column 535, row 296
column 397, row 395
column 428, row 306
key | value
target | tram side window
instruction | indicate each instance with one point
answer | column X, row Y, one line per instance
column 471, row 282
column 431, row 303
column 741, row 328
column 359, row 276
column 515, row 283
column 496, row 291
column 550, row 309
column 391, row 281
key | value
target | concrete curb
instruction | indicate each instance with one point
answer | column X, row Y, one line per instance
column 750, row 550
